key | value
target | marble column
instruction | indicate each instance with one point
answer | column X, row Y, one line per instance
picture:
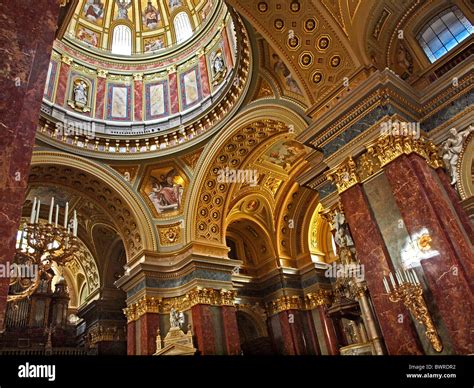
column 369, row 322
column 397, row 328
column 100, row 97
column 24, row 62
column 330, row 336
column 231, row 330
column 425, row 208
column 149, row 323
column 456, row 202
column 206, row 88
column 203, row 329
column 138, row 97
column 131, row 335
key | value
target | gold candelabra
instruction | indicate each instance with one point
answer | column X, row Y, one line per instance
column 406, row 287
column 41, row 243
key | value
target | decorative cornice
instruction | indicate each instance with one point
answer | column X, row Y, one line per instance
column 307, row 302
column 378, row 154
column 208, row 296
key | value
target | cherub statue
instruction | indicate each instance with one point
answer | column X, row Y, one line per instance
column 452, row 148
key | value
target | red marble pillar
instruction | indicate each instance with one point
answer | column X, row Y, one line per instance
column 149, row 323
column 24, row 62
column 63, row 76
column 313, row 347
column 231, row 330
column 424, row 206
column 206, row 88
column 138, row 99
column 174, row 97
column 288, row 345
column 227, row 49
column 330, row 336
column 131, row 335
column 455, row 200
column 100, row 97
column 399, row 334
column 203, row 328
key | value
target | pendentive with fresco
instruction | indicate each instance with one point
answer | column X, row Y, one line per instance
column 254, row 178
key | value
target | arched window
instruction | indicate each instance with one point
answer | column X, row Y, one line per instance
column 182, row 27
column 444, row 32
column 122, row 40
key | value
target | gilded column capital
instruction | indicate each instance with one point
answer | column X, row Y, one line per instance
column 102, row 73
column 317, row 299
column 285, row 303
column 138, row 76
column 344, row 175
column 66, row 59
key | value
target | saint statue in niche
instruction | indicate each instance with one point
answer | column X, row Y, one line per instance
column 122, row 8
column 176, row 318
column 166, row 194
column 80, row 93
column 151, row 16
column 218, row 67
column 451, row 150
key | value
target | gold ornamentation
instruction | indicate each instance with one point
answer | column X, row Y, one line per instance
column 424, row 242
column 409, row 291
column 100, row 333
column 209, row 296
column 170, row 234
column 317, row 299
column 285, row 303
column 344, row 176
column 66, row 59
column 138, row 76
column 101, row 73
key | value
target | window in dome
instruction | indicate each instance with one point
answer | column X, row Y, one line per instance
column 182, row 27
column 122, row 40
column 444, row 32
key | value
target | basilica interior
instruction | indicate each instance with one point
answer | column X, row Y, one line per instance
column 239, row 177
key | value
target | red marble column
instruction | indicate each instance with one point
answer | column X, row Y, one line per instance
column 138, row 99
column 131, row 335
column 456, row 202
column 231, row 330
column 399, row 335
column 424, row 206
column 206, row 88
column 227, row 50
column 289, row 347
column 312, row 336
column 100, row 97
column 149, row 323
column 203, row 328
column 24, row 62
column 63, row 76
column 330, row 336
column 174, row 97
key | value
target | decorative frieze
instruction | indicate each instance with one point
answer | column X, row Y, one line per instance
column 196, row 296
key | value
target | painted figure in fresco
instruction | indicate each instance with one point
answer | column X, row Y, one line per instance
column 94, row 10
column 174, row 3
column 80, row 93
column 151, row 16
column 123, row 6
column 176, row 318
column 280, row 68
column 452, row 148
column 166, row 195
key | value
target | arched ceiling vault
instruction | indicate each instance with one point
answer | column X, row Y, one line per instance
column 109, row 193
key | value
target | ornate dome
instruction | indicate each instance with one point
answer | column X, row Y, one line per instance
column 109, row 104
column 133, row 27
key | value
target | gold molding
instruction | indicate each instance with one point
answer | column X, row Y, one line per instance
column 198, row 295
column 378, row 154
